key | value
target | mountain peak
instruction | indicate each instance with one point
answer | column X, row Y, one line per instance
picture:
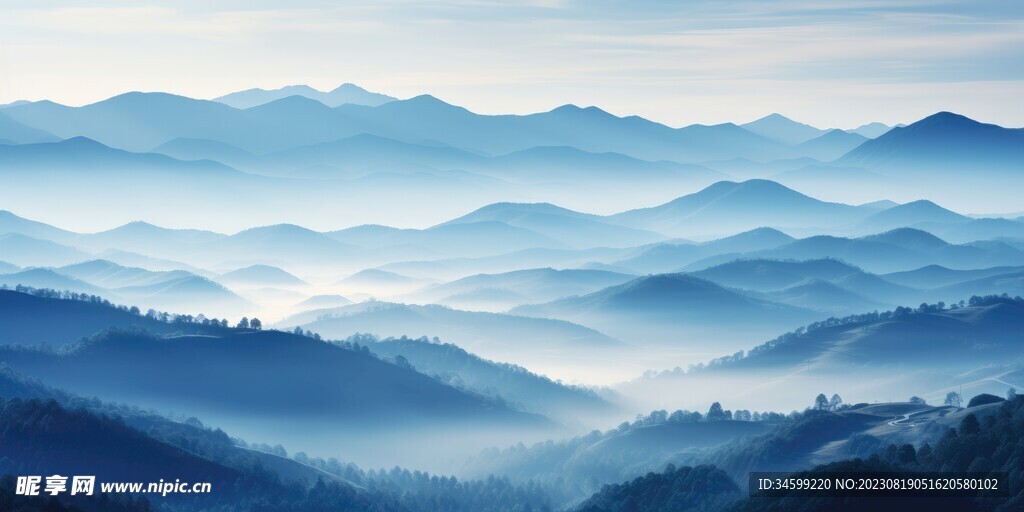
column 941, row 141
column 780, row 128
column 142, row 98
column 297, row 89
column 81, row 142
column 922, row 207
column 775, row 117
column 346, row 87
column 427, row 99
column 570, row 108
column 909, row 238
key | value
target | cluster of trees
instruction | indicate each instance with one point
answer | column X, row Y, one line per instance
column 701, row 488
column 781, row 447
column 419, row 491
column 954, row 399
column 715, row 413
column 307, row 333
column 152, row 314
column 823, row 403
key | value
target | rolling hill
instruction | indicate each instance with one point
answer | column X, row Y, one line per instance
column 257, row 373
column 190, row 294
column 516, row 385
column 462, row 239
column 260, row 276
column 498, row 337
column 204, row 149
column 321, row 302
column 33, row 320
column 667, row 257
column 816, row 284
column 26, row 251
column 920, row 213
column 11, row 223
column 520, row 286
column 570, row 227
column 831, row 145
column 730, row 207
column 78, row 154
column 669, row 309
column 940, row 339
column 828, row 297
column 566, row 163
column 17, row 133
column 107, row 274
column 935, row 276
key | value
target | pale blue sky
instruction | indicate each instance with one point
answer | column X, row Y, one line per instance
column 831, row 63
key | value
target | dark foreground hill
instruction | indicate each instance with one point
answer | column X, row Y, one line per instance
column 685, row 488
column 983, row 440
column 271, row 374
column 980, row 443
column 47, row 317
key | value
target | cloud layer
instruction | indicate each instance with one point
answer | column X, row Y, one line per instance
column 831, row 63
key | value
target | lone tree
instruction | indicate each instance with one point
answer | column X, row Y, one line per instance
column 917, row 400
column 953, row 398
column 715, row 413
column 821, row 402
column 835, row 403
column 1011, row 394
column 255, row 323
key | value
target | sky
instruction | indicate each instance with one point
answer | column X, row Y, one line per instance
column 833, row 63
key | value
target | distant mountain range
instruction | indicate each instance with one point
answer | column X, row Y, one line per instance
column 175, row 291
column 294, row 146
column 157, row 118
column 343, row 94
column 502, row 237
column 892, row 251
